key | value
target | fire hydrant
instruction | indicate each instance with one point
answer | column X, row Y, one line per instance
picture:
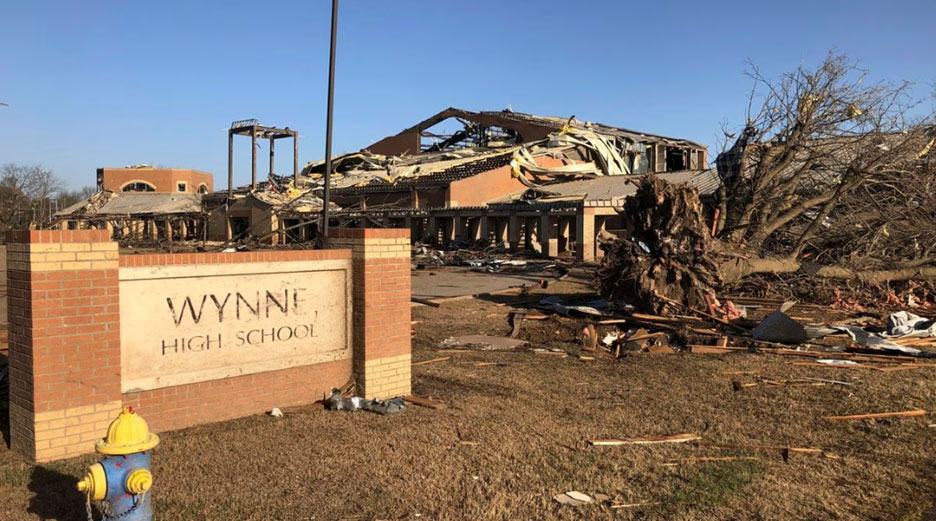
column 121, row 480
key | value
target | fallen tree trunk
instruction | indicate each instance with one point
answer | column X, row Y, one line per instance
column 736, row 269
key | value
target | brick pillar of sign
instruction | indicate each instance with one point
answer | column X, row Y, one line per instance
column 64, row 341
column 381, row 324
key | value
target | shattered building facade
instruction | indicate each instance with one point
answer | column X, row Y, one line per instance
column 526, row 182
column 522, row 182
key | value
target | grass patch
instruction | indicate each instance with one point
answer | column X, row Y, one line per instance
column 15, row 476
column 714, row 484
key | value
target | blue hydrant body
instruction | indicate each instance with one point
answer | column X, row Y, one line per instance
column 120, row 503
column 121, row 481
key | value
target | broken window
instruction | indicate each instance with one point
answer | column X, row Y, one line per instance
column 239, row 226
column 675, row 159
column 138, row 186
column 181, row 186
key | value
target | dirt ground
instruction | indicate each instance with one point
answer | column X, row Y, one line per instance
column 513, row 436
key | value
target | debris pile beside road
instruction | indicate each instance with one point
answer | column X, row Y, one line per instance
column 490, row 260
column 610, row 332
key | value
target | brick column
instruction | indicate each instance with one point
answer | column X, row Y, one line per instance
column 64, row 341
column 585, row 234
column 381, row 326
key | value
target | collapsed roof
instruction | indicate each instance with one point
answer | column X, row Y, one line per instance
column 490, row 140
column 113, row 204
column 607, row 190
column 489, row 128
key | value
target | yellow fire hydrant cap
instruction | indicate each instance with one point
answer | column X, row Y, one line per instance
column 127, row 434
column 94, row 483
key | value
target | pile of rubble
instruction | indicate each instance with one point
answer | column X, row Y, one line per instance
column 611, row 332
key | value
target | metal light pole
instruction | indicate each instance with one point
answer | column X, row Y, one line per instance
column 328, row 123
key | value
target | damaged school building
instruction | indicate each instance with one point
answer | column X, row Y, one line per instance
column 502, row 178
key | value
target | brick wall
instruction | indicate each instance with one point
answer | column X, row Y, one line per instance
column 64, row 340
column 218, row 400
column 162, row 179
column 382, row 342
column 3, row 300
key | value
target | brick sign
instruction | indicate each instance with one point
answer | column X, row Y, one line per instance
column 185, row 324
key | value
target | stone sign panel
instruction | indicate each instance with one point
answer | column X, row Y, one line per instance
column 187, row 324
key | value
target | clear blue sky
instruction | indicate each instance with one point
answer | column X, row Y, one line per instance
column 109, row 83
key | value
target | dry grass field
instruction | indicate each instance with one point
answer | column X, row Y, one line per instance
column 514, row 435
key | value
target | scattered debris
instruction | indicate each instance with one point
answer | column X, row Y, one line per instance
column 481, row 343
column 875, row 341
column 593, row 307
column 877, row 415
column 649, row 440
column 782, row 449
column 338, row 403
column 276, row 413
column 434, row 360
column 573, row 498
column 633, row 505
column 905, row 324
column 778, row 327
column 553, row 352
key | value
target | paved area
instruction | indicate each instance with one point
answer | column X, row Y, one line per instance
column 455, row 281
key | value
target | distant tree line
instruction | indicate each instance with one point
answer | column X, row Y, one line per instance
column 30, row 196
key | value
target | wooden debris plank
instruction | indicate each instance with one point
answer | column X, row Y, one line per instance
column 837, row 366
column 425, row 301
column 657, row 318
column 896, row 368
column 900, row 414
column 809, row 450
column 689, row 318
column 704, row 314
column 840, row 355
column 434, row 360
column 710, row 332
column 635, row 338
column 632, row 505
column 423, row 402
column 648, row 440
column 715, row 350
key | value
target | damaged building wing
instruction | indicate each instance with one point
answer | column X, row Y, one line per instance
column 138, row 215
column 524, row 182
column 493, row 181
column 492, row 129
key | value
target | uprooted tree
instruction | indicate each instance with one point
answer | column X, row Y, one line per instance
column 831, row 172
column 829, row 176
